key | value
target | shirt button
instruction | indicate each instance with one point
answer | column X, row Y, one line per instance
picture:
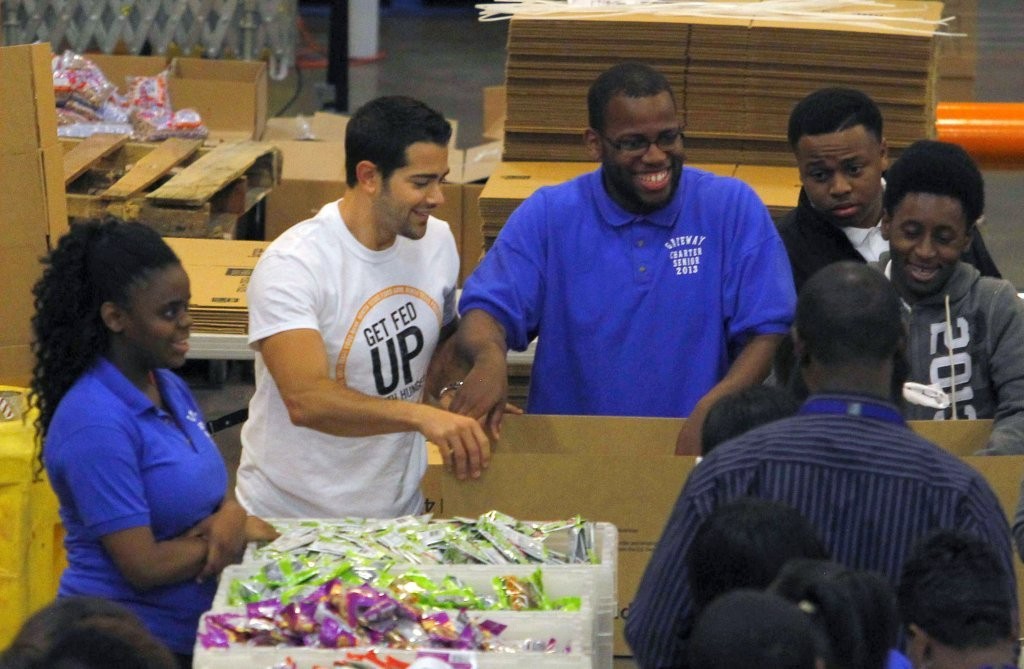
column 639, row 243
column 643, row 268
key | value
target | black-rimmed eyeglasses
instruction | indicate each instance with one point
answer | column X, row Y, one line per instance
column 666, row 141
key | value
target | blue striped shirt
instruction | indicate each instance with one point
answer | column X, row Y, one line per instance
column 871, row 487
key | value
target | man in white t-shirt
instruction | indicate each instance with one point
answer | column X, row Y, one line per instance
column 346, row 311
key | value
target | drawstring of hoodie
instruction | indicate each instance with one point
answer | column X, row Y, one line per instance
column 949, row 349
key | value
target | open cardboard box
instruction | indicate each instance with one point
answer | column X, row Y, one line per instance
column 230, row 95
column 623, row 471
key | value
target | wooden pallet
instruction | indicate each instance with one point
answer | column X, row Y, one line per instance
column 177, row 186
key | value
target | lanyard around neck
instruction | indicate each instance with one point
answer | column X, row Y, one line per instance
column 863, row 408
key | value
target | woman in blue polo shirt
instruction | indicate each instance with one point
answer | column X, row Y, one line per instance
column 142, row 487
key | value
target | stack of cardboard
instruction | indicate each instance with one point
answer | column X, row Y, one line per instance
column 34, row 213
column 219, row 271
column 735, row 80
column 958, row 56
column 512, row 182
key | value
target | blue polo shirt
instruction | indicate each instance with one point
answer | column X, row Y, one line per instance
column 635, row 315
column 117, row 462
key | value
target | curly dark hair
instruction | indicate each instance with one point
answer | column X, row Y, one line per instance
column 95, row 262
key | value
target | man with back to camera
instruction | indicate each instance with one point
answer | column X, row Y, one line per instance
column 847, row 461
column 346, row 310
column 653, row 289
column 841, row 153
column 966, row 331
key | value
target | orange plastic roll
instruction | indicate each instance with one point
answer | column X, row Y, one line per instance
column 992, row 132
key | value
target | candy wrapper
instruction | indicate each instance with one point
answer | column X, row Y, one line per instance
column 333, row 616
column 493, row 538
column 287, row 581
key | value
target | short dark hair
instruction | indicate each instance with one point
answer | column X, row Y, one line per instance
column 749, row 628
column 954, row 587
column 829, row 110
column 939, row 168
column 736, row 413
column 744, row 543
column 85, row 632
column 634, row 80
column 849, row 312
column 384, row 128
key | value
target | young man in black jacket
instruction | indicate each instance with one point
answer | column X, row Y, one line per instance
column 836, row 136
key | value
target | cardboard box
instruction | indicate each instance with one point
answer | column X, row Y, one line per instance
column 219, row 271
column 622, row 470
column 472, row 248
column 312, row 174
column 16, row 365
column 204, row 85
column 22, row 269
column 475, row 164
column 34, row 205
column 28, row 118
column 34, row 212
column 495, row 99
column 312, row 170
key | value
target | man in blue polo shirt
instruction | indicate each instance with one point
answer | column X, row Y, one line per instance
column 654, row 288
column 847, row 461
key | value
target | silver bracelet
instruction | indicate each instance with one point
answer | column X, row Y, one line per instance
column 450, row 388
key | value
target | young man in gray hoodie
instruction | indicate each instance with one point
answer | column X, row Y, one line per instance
column 966, row 332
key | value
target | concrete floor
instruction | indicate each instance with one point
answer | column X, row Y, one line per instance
column 445, row 57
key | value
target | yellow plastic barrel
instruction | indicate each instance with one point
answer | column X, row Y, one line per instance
column 31, row 535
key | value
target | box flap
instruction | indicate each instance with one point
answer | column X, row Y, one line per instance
column 243, row 82
column 959, row 437
column 312, row 161
column 220, row 252
column 28, row 117
column 22, row 268
column 329, row 127
column 494, row 112
column 16, row 365
column 474, row 164
column 23, row 217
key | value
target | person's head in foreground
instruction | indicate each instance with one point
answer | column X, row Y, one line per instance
column 750, row 628
column 956, row 603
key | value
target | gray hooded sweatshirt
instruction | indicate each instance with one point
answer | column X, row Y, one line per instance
column 985, row 353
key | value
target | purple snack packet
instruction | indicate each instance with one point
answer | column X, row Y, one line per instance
column 267, row 608
column 222, row 629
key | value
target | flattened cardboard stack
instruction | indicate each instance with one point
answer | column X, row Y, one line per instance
column 219, row 270
column 958, row 56
column 735, row 80
column 513, row 182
